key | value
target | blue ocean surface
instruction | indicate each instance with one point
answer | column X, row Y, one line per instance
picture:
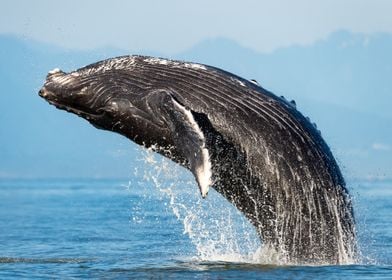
column 155, row 225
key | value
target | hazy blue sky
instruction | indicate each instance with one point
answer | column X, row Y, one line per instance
column 175, row 25
column 342, row 82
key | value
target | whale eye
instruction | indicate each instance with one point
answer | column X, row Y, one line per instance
column 112, row 107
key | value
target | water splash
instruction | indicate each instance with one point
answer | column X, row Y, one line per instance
column 217, row 230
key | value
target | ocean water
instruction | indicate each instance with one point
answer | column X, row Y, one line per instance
column 155, row 225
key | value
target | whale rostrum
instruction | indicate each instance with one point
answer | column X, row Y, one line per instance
column 254, row 148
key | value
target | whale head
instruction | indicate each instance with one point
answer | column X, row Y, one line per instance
column 68, row 91
column 99, row 94
column 120, row 96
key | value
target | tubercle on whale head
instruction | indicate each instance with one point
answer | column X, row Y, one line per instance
column 60, row 86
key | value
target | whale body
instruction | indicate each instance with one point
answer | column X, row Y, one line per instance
column 254, row 148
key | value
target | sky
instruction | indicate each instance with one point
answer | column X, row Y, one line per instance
column 343, row 65
column 173, row 26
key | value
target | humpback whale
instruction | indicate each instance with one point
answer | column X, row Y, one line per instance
column 253, row 147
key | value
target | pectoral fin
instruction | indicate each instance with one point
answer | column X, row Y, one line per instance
column 190, row 142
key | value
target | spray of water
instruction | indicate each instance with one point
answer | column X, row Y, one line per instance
column 217, row 230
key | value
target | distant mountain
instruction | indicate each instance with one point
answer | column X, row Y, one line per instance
column 343, row 83
column 349, row 70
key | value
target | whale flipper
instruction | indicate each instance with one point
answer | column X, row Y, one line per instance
column 189, row 140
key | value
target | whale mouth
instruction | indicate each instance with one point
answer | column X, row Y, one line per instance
column 86, row 113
